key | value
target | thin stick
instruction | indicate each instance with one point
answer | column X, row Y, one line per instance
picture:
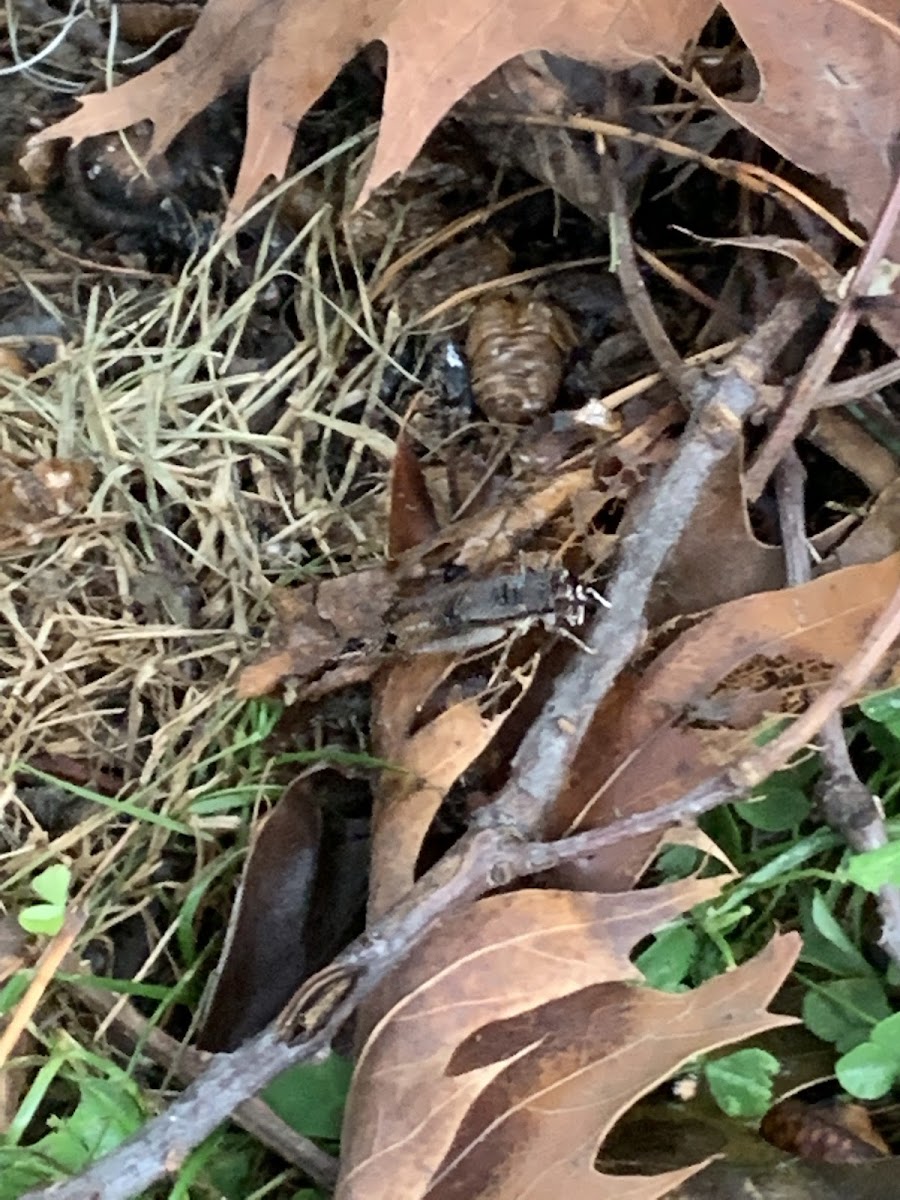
column 823, row 361
column 47, row 966
column 746, row 175
column 720, row 403
column 629, row 390
column 634, row 289
column 848, row 806
column 790, row 490
column 849, row 390
column 187, row 1064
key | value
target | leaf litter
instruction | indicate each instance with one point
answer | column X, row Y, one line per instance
column 232, row 450
column 425, row 1067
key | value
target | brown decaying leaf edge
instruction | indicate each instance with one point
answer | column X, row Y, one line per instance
column 412, row 516
column 663, row 731
column 291, row 54
column 429, row 763
column 602, row 1049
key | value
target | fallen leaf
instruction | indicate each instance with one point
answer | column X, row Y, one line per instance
column 263, row 961
column 593, row 1054
column 666, row 727
column 718, row 557
column 428, row 763
column 512, row 1042
column 828, row 100
column 292, row 53
column 301, row 898
column 827, row 69
column 412, row 515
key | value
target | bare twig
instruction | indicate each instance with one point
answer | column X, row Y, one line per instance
column 735, row 781
column 721, row 399
column 848, row 806
column 187, row 1064
column 790, row 489
column 849, row 390
column 634, row 289
column 747, row 175
column 639, row 386
column 823, row 361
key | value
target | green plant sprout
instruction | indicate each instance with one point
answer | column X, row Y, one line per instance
column 106, row 1108
column 52, row 886
column 872, row 1068
column 741, row 1083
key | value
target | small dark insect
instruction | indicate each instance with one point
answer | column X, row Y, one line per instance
column 552, row 597
column 477, row 612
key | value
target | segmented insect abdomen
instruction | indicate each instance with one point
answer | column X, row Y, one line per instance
column 517, row 352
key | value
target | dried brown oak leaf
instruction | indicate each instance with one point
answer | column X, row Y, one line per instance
column 828, row 92
column 518, row 1034
column 436, row 52
column 828, row 98
column 433, row 760
column 428, row 761
column 671, row 723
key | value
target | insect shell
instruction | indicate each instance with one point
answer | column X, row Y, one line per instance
column 517, row 352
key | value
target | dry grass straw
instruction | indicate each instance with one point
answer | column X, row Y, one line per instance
column 215, row 475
